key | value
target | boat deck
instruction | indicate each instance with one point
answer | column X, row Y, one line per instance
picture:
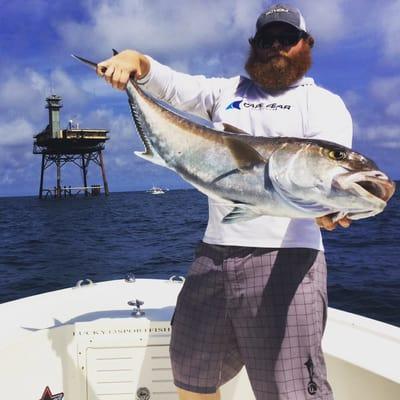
column 85, row 342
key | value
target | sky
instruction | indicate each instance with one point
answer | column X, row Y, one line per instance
column 356, row 55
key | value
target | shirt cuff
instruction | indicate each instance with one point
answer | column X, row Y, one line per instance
column 149, row 75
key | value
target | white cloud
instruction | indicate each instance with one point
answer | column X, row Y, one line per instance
column 16, row 158
column 385, row 88
column 122, row 162
column 96, row 86
column 180, row 33
column 121, row 125
column 67, row 88
column 123, row 138
column 393, row 110
column 357, row 131
column 157, row 27
column 357, row 23
column 383, row 133
column 245, row 13
column 351, row 98
column 16, row 132
column 326, row 19
column 176, row 32
column 391, row 144
column 6, row 178
column 22, row 96
column 389, row 22
column 27, row 96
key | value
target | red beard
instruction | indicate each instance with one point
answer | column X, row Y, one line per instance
column 274, row 71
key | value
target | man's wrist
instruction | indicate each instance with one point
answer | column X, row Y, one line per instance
column 146, row 68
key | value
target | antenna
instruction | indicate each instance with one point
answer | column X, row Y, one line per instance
column 51, row 84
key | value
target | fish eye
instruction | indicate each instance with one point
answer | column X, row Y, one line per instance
column 337, row 155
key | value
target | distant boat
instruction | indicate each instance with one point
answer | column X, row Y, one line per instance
column 157, row 190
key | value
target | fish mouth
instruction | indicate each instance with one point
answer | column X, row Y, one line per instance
column 383, row 190
column 373, row 186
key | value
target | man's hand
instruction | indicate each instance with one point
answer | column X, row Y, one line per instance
column 119, row 69
column 327, row 223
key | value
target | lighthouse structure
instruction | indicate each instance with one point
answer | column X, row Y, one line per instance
column 73, row 145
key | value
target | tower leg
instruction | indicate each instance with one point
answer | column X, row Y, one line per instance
column 41, row 177
column 103, row 173
column 84, row 170
column 58, row 164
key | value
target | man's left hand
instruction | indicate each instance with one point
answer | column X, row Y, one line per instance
column 327, row 223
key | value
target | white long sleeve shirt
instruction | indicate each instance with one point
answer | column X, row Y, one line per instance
column 305, row 110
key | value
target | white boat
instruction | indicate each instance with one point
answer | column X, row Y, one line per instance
column 86, row 343
column 156, row 190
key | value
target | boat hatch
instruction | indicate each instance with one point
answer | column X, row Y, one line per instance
column 126, row 361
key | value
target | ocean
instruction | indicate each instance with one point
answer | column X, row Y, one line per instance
column 51, row 244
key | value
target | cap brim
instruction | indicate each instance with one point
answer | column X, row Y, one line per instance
column 263, row 27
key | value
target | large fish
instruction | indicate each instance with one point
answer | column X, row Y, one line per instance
column 286, row 177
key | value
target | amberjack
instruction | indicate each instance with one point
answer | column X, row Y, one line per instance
column 257, row 175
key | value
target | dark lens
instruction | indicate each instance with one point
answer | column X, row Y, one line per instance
column 264, row 42
column 289, row 39
column 284, row 38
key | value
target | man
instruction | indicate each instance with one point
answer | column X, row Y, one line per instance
column 256, row 292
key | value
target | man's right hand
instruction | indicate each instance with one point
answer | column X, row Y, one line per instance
column 119, row 69
column 327, row 223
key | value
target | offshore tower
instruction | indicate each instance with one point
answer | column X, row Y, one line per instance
column 72, row 145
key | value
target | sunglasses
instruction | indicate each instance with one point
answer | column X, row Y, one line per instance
column 285, row 39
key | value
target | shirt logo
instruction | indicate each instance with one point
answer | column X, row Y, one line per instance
column 234, row 105
column 241, row 104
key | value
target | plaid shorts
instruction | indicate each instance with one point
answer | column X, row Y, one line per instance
column 258, row 307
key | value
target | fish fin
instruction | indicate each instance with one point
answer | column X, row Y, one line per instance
column 152, row 157
column 239, row 214
column 246, row 157
column 140, row 126
column 226, row 174
column 233, row 129
column 30, row 329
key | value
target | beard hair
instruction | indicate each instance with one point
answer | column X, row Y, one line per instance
column 279, row 71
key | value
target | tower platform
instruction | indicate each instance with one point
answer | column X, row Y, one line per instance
column 73, row 145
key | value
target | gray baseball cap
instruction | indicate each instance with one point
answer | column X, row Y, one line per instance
column 281, row 13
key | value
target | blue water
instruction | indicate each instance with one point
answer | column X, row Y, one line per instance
column 51, row 244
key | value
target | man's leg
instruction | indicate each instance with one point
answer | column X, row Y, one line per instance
column 279, row 316
column 185, row 395
column 203, row 348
